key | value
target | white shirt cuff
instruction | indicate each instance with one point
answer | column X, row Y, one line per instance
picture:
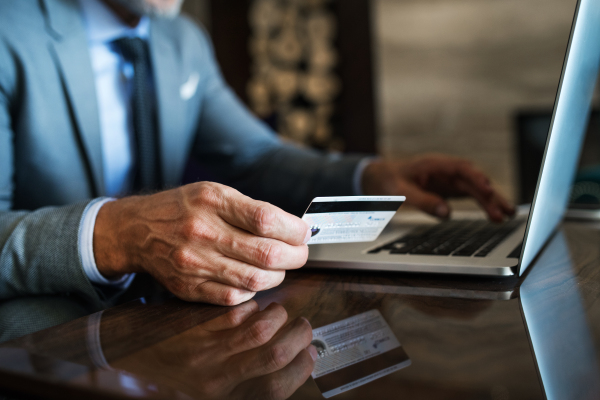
column 358, row 173
column 86, row 246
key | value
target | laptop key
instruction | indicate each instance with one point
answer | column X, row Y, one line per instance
column 402, row 250
column 452, row 238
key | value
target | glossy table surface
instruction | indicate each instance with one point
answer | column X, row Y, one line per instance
column 533, row 337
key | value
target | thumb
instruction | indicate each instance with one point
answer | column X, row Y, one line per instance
column 427, row 201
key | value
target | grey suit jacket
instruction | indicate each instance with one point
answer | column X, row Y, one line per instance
column 50, row 151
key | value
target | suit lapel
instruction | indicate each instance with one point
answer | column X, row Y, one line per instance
column 167, row 66
column 71, row 54
column 70, row 48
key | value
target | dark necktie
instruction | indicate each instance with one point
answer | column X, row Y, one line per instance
column 147, row 177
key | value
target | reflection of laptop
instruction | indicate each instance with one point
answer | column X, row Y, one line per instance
column 477, row 247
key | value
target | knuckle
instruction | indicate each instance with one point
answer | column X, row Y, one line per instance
column 277, row 357
column 256, row 281
column 269, row 254
column 231, row 297
column 202, row 231
column 210, row 193
column 195, row 229
column 259, row 333
column 264, row 219
column 273, row 257
column 183, row 258
column 188, row 230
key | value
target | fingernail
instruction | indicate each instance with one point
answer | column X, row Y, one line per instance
column 312, row 350
column 308, row 236
column 442, row 210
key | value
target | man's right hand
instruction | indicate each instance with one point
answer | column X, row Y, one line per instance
column 243, row 354
column 204, row 242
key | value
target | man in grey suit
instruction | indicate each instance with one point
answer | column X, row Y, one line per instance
column 103, row 99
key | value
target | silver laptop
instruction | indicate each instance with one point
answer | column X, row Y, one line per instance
column 481, row 247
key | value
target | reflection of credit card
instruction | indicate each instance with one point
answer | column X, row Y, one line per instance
column 355, row 351
column 350, row 218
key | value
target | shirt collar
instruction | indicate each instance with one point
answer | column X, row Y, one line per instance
column 103, row 26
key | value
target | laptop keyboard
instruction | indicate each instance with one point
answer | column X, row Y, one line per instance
column 453, row 238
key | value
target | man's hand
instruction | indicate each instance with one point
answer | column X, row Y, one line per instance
column 203, row 242
column 244, row 354
column 426, row 180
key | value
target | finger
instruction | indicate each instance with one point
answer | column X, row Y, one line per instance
column 278, row 352
column 479, row 187
column 232, row 272
column 233, row 318
column 489, row 202
column 280, row 384
column 485, row 201
column 426, row 201
column 264, row 219
column 202, row 291
column 245, row 276
column 503, row 206
column 264, row 253
column 477, row 179
column 257, row 330
column 506, row 206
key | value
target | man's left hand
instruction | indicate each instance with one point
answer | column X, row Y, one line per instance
column 428, row 180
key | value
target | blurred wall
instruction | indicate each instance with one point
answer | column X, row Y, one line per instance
column 451, row 73
column 199, row 10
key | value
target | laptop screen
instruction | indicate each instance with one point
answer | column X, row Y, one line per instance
column 567, row 130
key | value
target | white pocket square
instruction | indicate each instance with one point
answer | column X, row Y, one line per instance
column 188, row 89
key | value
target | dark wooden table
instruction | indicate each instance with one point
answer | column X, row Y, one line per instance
column 528, row 338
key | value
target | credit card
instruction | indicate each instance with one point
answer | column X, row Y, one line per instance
column 350, row 218
column 355, row 351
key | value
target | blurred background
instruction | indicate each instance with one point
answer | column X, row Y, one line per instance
column 471, row 78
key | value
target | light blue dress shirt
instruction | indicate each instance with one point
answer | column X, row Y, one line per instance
column 113, row 90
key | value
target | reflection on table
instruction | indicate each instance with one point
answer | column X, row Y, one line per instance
column 555, row 317
column 466, row 337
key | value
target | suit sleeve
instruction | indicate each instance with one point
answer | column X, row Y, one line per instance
column 39, row 250
column 247, row 154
